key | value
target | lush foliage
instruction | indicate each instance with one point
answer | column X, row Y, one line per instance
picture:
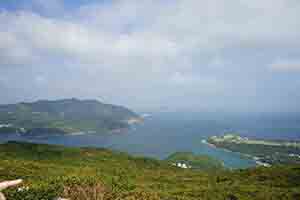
column 63, row 116
column 202, row 162
column 88, row 173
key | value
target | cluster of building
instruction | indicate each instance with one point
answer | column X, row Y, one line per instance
column 182, row 165
column 262, row 163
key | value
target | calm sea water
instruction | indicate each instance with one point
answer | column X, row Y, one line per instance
column 166, row 133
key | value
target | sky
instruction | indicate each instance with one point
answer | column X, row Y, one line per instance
column 192, row 55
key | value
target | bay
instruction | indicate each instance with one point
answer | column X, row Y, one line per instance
column 162, row 134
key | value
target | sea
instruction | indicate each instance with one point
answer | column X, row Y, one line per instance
column 164, row 133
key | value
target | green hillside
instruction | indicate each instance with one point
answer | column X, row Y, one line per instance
column 94, row 174
column 63, row 116
column 193, row 161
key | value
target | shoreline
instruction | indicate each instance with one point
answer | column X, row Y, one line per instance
column 263, row 152
column 248, row 156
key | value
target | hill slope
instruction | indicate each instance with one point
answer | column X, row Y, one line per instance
column 89, row 173
column 63, row 116
column 190, row 160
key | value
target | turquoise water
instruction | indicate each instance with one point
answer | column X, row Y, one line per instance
column 163, row 134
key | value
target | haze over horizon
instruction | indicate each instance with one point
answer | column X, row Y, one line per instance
column 216, row 55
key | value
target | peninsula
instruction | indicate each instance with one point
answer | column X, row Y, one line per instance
column 264, row 152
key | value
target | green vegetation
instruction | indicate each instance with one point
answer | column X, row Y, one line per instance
column 202, row 162
column 63, row 116
column 264, row 151
column 93, row 174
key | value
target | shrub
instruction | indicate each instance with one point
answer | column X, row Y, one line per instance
column 36, row 192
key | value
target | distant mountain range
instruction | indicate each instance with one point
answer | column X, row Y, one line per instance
column 64, row 116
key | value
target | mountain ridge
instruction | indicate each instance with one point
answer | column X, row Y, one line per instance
column 65, row 116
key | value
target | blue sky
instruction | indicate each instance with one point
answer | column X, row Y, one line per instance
column 53, row 8
column 198, row 55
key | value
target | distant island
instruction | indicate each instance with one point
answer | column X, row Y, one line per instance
column 64, row 117
column 264, row 152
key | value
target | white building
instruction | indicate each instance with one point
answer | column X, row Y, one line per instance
column 182, row 165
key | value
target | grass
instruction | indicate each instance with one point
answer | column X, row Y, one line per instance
column 92, row 174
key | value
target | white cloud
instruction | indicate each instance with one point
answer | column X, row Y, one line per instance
column 286, row 65
column 139, row 45
column 124, row 31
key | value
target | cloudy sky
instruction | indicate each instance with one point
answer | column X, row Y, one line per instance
column 200, row 55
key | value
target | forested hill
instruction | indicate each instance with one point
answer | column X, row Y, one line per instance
column 64, row 116
column 87, row 173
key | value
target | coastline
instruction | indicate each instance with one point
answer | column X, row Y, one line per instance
column 135, row 120
column 130, row 122
column 248, row 156
column 263, row 152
